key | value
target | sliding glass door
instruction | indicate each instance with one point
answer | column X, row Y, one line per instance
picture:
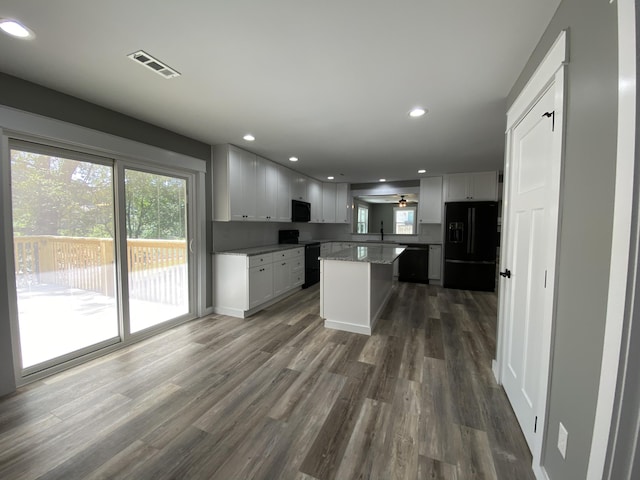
column 157, row 257
column 101, row 252
column 64, row 251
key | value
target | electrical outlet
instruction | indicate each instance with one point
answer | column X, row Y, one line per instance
column 562, row 440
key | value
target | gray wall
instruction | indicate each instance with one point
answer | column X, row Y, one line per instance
column 586, row 222
column 33, row 98
column 30, row 97
column 381, row 212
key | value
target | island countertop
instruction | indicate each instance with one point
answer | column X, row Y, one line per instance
column 382, row 254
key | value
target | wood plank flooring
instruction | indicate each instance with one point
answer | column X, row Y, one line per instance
column 278, row 396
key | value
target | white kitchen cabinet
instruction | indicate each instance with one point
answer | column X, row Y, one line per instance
column 435, row 263
column 283, row 199
column 430, row 202
column 281, row 277
column 234, row 179
column 315, row 199
column 287, row 267
column 297, row 269
column 343, row 203
column 481, row 186
column 266, row 190
column 260, row 285
column 245, row 284
column 485, row 186
column 300, row 187
column 328, row 203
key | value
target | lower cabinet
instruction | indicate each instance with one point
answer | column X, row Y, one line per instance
column 261, row 285
column 245, row 284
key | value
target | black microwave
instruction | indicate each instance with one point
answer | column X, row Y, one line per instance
column 300, row 211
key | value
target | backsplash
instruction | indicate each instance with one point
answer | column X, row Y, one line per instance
column 235, row 235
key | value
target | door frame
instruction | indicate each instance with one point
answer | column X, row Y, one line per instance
column 549, row 74
column 614, row 443
column 48, row 131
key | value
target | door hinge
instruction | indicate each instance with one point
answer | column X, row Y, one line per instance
column 545, row 279
column 535, row 425
column 553, row 118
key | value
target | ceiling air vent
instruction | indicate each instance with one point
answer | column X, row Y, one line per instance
column 154, row 64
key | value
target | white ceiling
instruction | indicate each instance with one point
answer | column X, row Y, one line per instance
column 328, row 81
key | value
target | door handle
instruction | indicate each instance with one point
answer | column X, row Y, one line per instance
column 191, row 245
column 506, row 273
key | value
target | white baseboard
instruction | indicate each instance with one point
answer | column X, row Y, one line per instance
column 540, row 472
column 496, row 373
column 347, row 327
column 239, row 313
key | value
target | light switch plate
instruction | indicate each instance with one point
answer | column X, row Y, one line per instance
column 562, row 440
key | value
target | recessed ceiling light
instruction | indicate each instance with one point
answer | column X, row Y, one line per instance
column 417, row 112
column 329, row 178
column 383, row 179
column 249, row 138
column 15, row 29
column 422, row 170
column 293, row 159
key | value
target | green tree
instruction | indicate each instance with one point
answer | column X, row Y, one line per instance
column 59, row 196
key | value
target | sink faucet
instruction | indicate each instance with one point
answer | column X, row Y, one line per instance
column 381, row 231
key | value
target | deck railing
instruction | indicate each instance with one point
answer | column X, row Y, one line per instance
column 157, row 268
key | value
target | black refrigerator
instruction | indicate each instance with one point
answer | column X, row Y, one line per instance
column 471, row 238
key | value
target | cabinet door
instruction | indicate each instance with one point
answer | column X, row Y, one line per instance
column 430, row 203
column 328, row 203
column 266, row 190
column 435, row 259
column 281, row 277
column 300, row 187
column 283, row 205
column 343, row 205
column 315, row 199
column 260, row 285
column 457, row 187
column 484, row 186
column 242, row 188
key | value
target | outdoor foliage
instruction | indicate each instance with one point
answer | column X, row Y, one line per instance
column 60, row 196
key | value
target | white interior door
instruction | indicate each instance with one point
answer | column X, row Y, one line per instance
column 530, row 223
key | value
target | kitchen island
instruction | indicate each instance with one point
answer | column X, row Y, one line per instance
column 355, row 285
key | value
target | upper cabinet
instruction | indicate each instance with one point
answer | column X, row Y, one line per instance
column 234, row 184
column 247, row 187
column 299, row 187
column 343, row 203
column 430, row 201
column 283, row 200
column 315, row 199
column 328, row 203
column 466, row 187
column 266, row 190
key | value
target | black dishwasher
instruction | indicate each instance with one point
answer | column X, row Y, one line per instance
column 414, row 264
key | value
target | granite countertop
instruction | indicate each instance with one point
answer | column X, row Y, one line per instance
column 366, row 253
column 260, row 250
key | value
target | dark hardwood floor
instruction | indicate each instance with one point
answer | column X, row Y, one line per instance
column 278, row 396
